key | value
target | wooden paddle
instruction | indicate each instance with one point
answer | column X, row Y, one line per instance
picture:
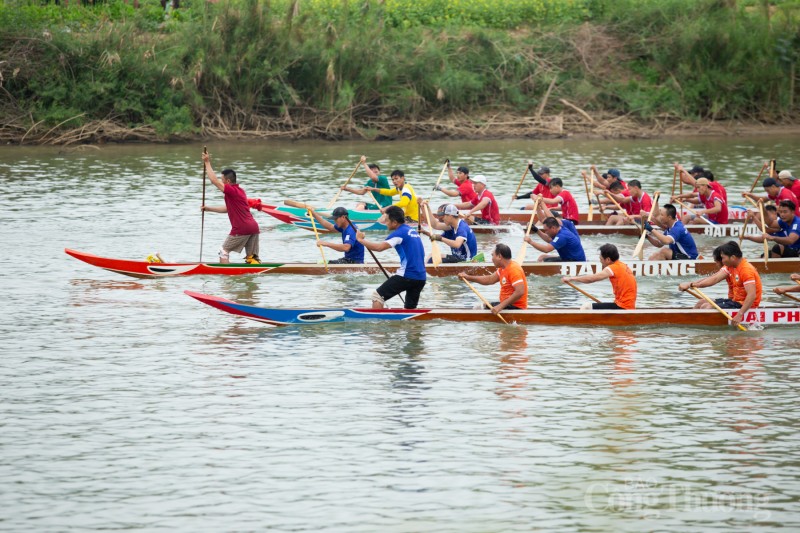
column 590, row 217
column 521, row 180
column 444, row 168
column 744, row 227
column 345, row 185
column 375, row 259
column 294, row 203
column 758, row 178
column 640, row 245
column 790, row 296
column 314, row 225
column 524, row 250
column 764, row 230
column 484, row 300
column 203, row 213
column 581, row 291
column 674, row 177
column 436, row 252
column 599, row 204
column 697, row 293
column 692, row 211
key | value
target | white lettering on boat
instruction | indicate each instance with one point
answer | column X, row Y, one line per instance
column 730, row 230
column 639, row 268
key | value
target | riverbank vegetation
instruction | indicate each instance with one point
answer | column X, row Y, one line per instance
column 377, row 69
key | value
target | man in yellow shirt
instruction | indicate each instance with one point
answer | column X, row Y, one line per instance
column 408, row 198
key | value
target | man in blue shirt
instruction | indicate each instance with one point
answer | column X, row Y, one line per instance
column 353, row 250
column 788, row 245
column 411, row 276
column 679, row 242
column 558, row 234
column 457, row 235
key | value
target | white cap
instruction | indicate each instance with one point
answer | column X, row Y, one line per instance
column 786, row 175
column 449, row 209
column 480, row 178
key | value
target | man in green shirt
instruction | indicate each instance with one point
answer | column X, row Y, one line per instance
column 374, row 179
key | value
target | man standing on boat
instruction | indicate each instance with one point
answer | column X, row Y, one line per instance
column 411, row 276
column 408, row 198
column 245, row 232
column 465, row 190
column 457, row 234
column 513, row 285
column 353, row 250
column 622, row 280
column 559, row 235
column 374, row 179
column 746, row 281
column 676, row 242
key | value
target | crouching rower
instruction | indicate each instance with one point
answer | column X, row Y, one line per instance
column 457, row 234
column 411, row 276
column 353, row 250
column 513, row 285
column 622, row 280
column 559, row 235
column 679, row 242
column 745, row 279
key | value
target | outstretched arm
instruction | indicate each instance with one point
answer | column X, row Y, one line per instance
column 211, row 175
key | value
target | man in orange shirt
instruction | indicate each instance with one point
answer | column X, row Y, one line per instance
column 746, row 281
column 622, row 280
column 513, row 285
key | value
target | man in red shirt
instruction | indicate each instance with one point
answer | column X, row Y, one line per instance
column 461, row 179
column 562, row 199
column 714, row 207
column 634, row 201
column 542, row 177
column 484, row 202
column 244, row 228
column 790, row 182
column 696, row 173
column 775, row 192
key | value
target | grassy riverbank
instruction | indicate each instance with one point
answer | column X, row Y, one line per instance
column 397, row 68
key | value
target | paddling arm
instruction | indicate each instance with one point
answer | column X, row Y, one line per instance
column 786, row 241
column 713, row 279
column 750, row 289
column 324, row 223
column 214, row 208
column 489, row 279
column 369, row 245
column 342, row 247
column 786, row 288
column 483, row 203
column 519, row 292
column 590, row 278
column 658, row 239
column 210, row 173
column 545, row 248
column 355, row 190
column 449, row 192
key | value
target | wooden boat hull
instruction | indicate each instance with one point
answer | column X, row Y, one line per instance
column 540, row 316
column 143, row 269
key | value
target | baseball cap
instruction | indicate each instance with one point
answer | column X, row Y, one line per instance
column 613, row 172
column 696, row 168
column 770, row 182
column 543, row 170
column 480, row 178
column 786, row 175
column 448, row 209
column 339, row 212
column 703, row 181
column 465, row 170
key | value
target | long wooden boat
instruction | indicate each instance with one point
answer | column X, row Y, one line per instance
column 301, row 220
column 541, row 316
column 282, row 212
column 143, row 269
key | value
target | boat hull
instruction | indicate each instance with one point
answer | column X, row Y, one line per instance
column 143, row 269
column 539, row 316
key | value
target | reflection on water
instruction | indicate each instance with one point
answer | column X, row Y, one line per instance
column 128, row 405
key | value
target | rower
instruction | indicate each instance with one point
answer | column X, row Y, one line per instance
column 771, row 224
column 605, row 180
column 716, row 208
column 245, row 232
column 634, row 201
column 411, row 276
column 559, row 235
column 408, row 198
column 775, row 192
column 465, row 189
column 513, row 285
column 698, row 172
column 789, row 288
column 562, row 199
column 542, row 177
column 787, row 241
column 353, row 250
column 484, row 202
column 374, row 179
column 745, row 279
column 457, row 235
column 790, row 182
column 676, row 242
column 622, row 280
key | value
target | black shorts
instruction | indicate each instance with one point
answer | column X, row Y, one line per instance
column 482, row 221
column 787, row 252
column 605, row 305
column 511, row 307
column 727, row 303
column 397, row 284
column 449, row 259
column 552, row 259
column 343, row 261
column 679, row 256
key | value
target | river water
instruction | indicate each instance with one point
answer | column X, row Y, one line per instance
column 127, row 405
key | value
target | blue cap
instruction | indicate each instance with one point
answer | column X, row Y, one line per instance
column 614, row 172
